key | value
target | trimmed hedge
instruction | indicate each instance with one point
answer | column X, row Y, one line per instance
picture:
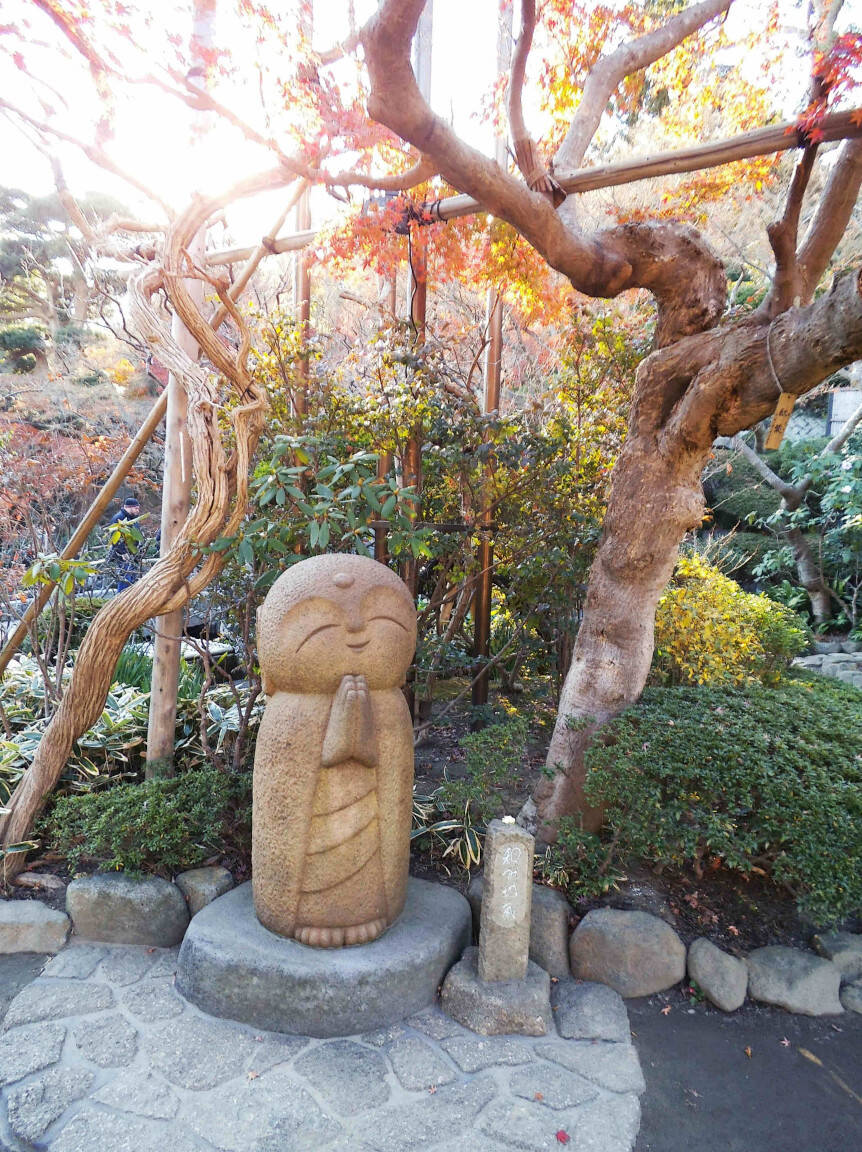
column 737, row 777
column 158, row 826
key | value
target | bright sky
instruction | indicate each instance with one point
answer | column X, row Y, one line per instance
column 152, row 137
column 152, row 133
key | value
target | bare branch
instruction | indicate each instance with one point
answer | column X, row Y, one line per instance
column 783, row 235
column 831, row 217
column 785, row 490
column 396, row 101
column 526, row 154
column 72, row 31
column 609, row 71
column 96, row 154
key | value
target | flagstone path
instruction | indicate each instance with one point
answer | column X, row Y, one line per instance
column 101, row 1054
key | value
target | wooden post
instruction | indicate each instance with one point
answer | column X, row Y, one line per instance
column 302, row 306
column 482, row 598
column 302, row 260
column 411, row 459
column 176, row 500
column 491, row 403
column 177, row 483
column 381, row 550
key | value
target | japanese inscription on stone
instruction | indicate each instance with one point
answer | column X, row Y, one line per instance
column 504, row 937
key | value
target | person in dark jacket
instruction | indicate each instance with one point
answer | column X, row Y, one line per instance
column 120, row 556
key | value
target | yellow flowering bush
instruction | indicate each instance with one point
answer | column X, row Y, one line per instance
column 708, row 630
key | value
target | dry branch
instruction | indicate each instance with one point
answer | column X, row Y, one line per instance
column 221, row 461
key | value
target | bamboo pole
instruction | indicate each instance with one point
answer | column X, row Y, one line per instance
column 490, row 403
column 760, row 142
column 177, row 483
column 484, row 587
column 176, row 502
column 302, row 262
column 89, row 521
column 417, row 241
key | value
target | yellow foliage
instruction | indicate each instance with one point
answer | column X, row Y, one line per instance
column 708, row 630
column 122, row 372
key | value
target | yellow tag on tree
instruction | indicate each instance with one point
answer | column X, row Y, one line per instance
column 780, row 417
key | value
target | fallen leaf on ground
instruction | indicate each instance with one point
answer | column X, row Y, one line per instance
column 785, row 1043
column 538, row 1096
column 665, row 1010
column 253, row 1075
column 563, row 1137
column 747, row 1051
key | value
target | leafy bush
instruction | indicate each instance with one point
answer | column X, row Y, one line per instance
column 454, row 814
column 492, row 757
column 736, row 778
column 739, row 495
column 159, row 826
column 707, row 630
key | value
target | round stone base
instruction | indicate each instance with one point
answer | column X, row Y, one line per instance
column 231, row 966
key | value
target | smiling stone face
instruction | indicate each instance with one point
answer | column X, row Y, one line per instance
column 334, row 616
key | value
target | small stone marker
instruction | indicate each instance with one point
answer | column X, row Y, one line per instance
column 504, row 933
column 497, row 989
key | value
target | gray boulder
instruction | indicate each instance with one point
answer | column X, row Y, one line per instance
column 121, row 910
column 826, row 647
column 851, row 996
column 844, row 949
column 795, row 980
column 549, row 926
column 634, row 953
column 549, row 931
column 497, row 1007
column 722, row 978
column 585, row 1011
column 201, row 886
column 31, row 926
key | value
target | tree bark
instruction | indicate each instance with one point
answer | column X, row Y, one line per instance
column 654, row 501
column 715, row 383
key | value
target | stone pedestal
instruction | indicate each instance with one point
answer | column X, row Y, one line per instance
column 500, row 1007
column 231, row 966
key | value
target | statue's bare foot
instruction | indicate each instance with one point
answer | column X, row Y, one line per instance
column 321, row 937
column 363, row 933
column 340, row 937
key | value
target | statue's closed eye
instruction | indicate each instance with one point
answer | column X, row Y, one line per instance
column 391, row 620
column 322, row 628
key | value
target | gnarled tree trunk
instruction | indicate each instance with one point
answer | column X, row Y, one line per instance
column 656, row 497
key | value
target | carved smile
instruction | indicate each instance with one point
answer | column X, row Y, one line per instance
column 359, row 647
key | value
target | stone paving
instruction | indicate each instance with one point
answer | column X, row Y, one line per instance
column 101, row 1054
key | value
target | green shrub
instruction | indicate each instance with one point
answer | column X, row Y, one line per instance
column 740, row 495
column 708, row 630
column 492, row 758
column 740, row 553
column 159, row 826
column 742, row 778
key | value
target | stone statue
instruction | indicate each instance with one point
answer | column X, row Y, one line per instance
column 333, row 767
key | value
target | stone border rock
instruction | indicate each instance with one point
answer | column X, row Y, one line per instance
column 119, row 909
column 31, row 926
column 638, row 954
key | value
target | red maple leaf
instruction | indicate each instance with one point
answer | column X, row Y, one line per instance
column 563, row 1137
